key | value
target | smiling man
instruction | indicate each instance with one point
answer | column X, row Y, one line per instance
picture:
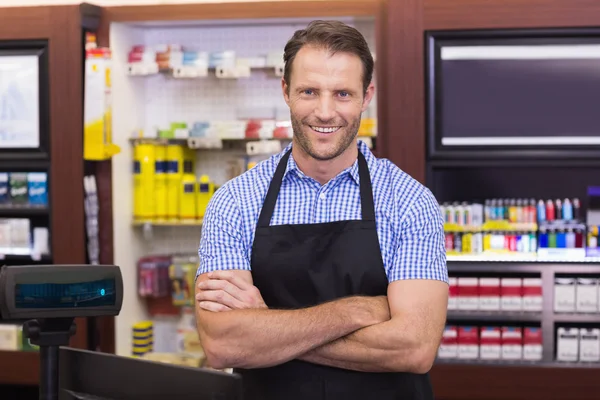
column 322, row 270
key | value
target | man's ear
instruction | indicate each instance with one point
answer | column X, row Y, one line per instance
column 286, row 91
column 368, row 96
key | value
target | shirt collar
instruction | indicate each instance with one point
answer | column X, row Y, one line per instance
column 292, row 167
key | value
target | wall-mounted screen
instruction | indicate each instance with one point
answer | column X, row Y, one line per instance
column 24, row 99
column 519, row 92
column 19, row 101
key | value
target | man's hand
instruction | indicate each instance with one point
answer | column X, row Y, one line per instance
column 226, row 291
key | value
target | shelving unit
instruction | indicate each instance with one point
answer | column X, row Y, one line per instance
column 59, row 29
column 148, row 99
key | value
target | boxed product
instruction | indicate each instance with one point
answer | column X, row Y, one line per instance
column 468, row 293
column 512, row 294
column 489, row 294
column 490, row 343
column 4, row 197
column 468, row 342
column 586, row 295
column 512, row 343
column 589, row 345
column 532, row 294
column 18, row 188
column 564, row 294
column 532, row 344
column 449, row 344
column 567, row 344
column 37, row 187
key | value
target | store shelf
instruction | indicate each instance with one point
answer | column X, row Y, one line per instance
column 459, row 315
column 22, row 211
column 518, row 259
column 19, row 368
column 166, row 223
column 496, row 267
column 577, row 318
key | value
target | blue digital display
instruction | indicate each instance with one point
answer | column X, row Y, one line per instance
column 66, row 295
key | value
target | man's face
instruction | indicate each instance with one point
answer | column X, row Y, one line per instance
column 326, row 99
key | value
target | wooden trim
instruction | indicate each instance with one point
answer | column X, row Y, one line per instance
column 401, row 101
column 19, row 368
column 483, row 14
column 242, row 10
column 488, row 382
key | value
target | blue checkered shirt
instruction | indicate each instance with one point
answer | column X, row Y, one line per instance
column 409, row 222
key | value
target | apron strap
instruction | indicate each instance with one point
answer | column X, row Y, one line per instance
column 366, row 191
column 264, row 220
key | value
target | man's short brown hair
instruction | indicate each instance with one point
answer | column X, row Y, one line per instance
column 334, row 36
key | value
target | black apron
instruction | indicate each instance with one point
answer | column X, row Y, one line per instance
column 303, row 265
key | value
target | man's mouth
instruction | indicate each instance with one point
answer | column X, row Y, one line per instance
column 325, row 129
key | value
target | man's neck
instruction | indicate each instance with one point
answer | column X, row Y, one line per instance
column 324, row 171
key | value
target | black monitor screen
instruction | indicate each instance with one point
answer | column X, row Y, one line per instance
column 65, row 295
column 530, row 94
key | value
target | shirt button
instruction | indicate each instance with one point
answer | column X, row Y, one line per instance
column 322, row 196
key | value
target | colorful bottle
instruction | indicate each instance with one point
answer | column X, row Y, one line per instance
column 143, row 182
column 174, row 174
column 206, row 189
column 160, row 181
column 187, row 195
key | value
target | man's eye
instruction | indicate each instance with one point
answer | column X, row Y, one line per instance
column 308, row 91
column 344, row 94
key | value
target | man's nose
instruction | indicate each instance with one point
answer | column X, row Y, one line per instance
column 326, row 109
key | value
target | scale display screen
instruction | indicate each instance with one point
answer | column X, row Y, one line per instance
column 95, row 293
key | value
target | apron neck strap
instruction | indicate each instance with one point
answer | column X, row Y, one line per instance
column 366, row 191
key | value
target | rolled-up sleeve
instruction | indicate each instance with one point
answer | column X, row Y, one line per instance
column 221, row 244
column 421, row 252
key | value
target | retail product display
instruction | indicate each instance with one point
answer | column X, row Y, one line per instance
column 17, row 238
column 168, row 276
column 20, row 189
column 576, row 294
column 495, row 294
column 142, row 338
column 523, row 227
column 510, row 343
column 97, row 131
column 165, row 185
column 578, row 344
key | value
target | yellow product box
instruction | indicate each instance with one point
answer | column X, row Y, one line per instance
column 97, row 115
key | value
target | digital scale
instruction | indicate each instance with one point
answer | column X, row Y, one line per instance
column 50, row 297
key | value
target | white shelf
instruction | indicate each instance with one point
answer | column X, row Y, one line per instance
column 519, row 258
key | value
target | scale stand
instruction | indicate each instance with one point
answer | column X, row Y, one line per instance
column 49, row 334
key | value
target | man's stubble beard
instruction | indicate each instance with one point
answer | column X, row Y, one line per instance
column 349, row 134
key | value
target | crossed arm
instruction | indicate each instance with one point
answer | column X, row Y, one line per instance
column 400, row 332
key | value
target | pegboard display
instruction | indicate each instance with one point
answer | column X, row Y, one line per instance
column 169, row 99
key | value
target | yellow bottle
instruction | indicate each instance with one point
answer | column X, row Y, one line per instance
column 206, row 189
column 143, row 182
column 160, row 181
column 174, row 174
column 187, row 194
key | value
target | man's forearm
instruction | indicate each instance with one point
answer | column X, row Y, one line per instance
column 254, row 338
column 377, row 348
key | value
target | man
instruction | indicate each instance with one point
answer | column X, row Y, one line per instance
column 322, row 270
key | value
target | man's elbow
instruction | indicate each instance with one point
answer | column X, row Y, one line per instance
column 217, row 355
column 423, row 360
